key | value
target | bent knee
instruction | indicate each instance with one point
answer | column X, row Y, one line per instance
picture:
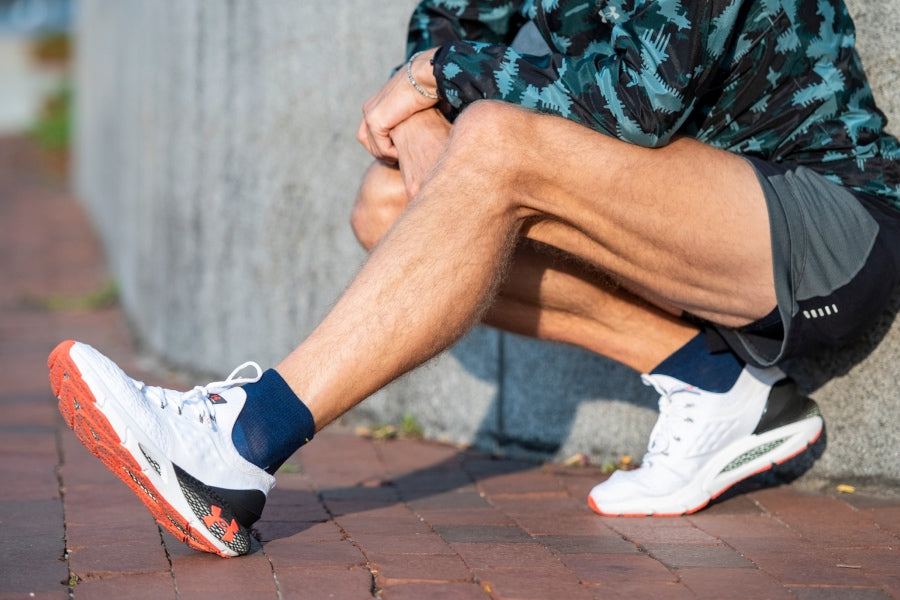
column 491, row 149
column 380, row 201
column 492, row 123
column 493, row 117
column 492, row 136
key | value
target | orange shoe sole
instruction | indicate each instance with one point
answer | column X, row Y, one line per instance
column 80, row 412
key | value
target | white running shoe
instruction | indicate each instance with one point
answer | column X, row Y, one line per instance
column 704, row 443
column 173, row 449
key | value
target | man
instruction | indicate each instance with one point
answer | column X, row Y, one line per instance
column 698, row 190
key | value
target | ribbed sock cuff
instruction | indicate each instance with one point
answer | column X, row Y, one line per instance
column 694, row 364
column 273, row 424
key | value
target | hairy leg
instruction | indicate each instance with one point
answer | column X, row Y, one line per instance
column 683, row 226
column 547, row 293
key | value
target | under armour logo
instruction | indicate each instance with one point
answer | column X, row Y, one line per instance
column 817, row 313
column 216, row 520
column 609, row 14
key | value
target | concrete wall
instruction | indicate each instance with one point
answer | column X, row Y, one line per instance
column 216, row 153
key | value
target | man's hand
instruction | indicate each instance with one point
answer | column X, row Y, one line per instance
column 419, row 141
column 394, row 103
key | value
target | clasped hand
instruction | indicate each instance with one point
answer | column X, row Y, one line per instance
column 402, row 127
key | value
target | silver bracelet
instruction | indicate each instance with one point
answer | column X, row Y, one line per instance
column 412, row 80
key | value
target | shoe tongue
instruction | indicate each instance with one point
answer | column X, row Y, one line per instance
column 664, row 384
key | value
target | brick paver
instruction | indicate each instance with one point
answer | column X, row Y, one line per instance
column 355, row 518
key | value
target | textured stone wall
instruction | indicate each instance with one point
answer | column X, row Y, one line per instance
column 216, row 153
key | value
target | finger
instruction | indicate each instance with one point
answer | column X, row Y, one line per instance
column 381, row 146
column 375, row 137
column 362, row 134
column 364, row 137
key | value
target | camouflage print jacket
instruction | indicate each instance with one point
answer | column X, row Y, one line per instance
column 776, row 79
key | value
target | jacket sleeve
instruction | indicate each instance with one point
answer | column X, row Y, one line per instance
column 438, row 22
column 637, row 80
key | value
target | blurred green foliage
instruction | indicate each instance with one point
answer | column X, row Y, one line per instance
column 53, row 128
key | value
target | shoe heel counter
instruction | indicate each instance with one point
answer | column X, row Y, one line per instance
column 246, row 505
column 785, row 405
column 226, row 514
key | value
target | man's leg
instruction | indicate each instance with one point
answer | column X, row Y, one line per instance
column 683, row 226
column 546, row 294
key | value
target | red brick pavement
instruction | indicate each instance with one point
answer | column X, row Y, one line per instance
column 353, row 518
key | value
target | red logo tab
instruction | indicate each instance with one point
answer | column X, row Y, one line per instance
column 217, row 399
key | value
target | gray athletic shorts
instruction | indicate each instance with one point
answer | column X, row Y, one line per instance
column 836, row 260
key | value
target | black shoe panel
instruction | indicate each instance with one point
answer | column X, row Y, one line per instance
column 785, row 405
column 225, row 513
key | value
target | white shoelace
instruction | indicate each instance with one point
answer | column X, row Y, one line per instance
column 198, row 398
column 676, row 408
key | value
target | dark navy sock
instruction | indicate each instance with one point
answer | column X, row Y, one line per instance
column 273, row 424
column 694, row 364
